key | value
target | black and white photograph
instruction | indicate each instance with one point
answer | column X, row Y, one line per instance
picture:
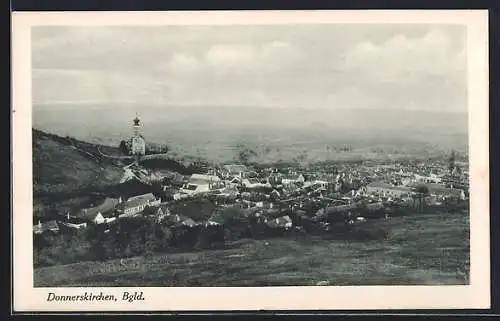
column 250, row 155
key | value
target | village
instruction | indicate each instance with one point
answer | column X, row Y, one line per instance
column 272, row 194
column 300, row 198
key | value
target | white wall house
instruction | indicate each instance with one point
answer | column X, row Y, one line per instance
column 100, row 219
column 138, row 203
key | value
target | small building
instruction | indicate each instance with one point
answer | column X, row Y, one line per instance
column 279, row 222
column 235, row 170
column 254, row 183
column 138, row 203
column 443, row 192
column 205, row 177
column 161, row 214
column 180, row 221
column 103, row 213
column 76, row 223
column 188, row 222
column 432, row 178
column 102, row 219
column 200, row 183
column 292, row 179
column 386, row 190
column 51, row 225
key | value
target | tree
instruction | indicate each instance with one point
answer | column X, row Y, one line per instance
column 422, row 191
column 451, row 165
column 150, row 244
column 302, row 156
column 245, row 153
column 157, row 189
column 123, row 147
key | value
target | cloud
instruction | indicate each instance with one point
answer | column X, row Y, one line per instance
column 249, row 57
column 434, row 53
column 327, row 66
column 230, row 55
column 52, row 86
column 182, row 63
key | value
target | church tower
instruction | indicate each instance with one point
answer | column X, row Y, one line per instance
column 137, row 126
column 138, row 143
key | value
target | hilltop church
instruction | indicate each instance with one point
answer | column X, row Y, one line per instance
column 137, row 143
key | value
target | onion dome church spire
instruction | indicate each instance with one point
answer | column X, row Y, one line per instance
column 138, row 143
column 136, row 120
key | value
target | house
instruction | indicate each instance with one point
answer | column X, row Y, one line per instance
column 52, row 226
column 182, row 221
column 161, row 214
column 188, row 222
column 330, row 210
column 432, row 178
column 443, row 192
column 292, row 179
column 386, row 190
column 74, row 222
column 138, row 203
column 103, row 213
column 235, row 170
column 101, row 219
column 205, row 177
column 279, row 222
column 214, row 221
column 156, row 213
column 254, row 183
column 234, row 181
column 200, row 183
column 321, row 183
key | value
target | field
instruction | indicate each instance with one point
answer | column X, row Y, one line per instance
column 420, row 250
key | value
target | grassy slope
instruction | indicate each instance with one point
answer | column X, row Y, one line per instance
column 59, row 166
column 423, row 249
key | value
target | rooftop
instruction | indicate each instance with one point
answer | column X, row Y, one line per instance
column 204, row 177
column 139, row 200
column 385, row 185
column 49, row 225
column 235, row 169
column 107, row 205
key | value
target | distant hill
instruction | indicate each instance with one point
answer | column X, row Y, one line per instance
column 214, row 132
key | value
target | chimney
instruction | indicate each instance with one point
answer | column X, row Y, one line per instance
column 67, row 215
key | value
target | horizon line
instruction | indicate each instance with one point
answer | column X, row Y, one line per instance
column 263, row 106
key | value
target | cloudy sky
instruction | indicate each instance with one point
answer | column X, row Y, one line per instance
column 306, row 66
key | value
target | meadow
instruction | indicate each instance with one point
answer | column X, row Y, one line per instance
column 421, row 249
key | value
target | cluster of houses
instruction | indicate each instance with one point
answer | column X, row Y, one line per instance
column 274, row 191
column 109, row 210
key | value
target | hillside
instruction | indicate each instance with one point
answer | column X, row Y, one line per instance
column 69, row 173
column 66, row 164
column 65, row 170
column 410, row 255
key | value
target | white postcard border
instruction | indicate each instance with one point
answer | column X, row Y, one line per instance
column 476, row 295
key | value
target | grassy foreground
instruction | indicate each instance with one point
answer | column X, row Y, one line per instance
column 421, row 249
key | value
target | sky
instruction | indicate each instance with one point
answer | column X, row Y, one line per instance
column 417, row 67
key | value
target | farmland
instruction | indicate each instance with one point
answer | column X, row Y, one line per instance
column 420, row 249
